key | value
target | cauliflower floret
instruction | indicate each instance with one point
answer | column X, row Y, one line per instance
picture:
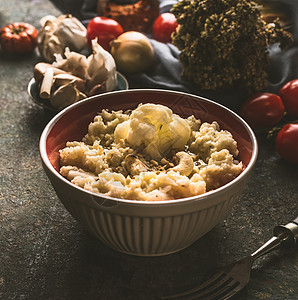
column 148, row 186
column 121, row 131
column 194, row 123
column 210, row 139
column 220, row 170
column 107, row 183
column 166, row 186
column 77, row 176
column 103, row 126
column 156, row 128
column 113, row 177
column 86, row 157
column 74, row 154
column 114, row 157
column 179, row 186
column 174, row 135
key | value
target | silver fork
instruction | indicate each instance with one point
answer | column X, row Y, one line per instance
column 232, row 278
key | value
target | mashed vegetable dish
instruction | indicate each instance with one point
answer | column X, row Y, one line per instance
column 150, row 154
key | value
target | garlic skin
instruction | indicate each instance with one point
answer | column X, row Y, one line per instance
column 132, row 52
column 101, row 68
column 73, row 63
column 66, row 95
column 58, row 33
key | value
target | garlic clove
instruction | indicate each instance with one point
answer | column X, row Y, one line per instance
column 46, row 85
column 41, row 68
column 98, row 89
column 63, row 79
column 64, row 96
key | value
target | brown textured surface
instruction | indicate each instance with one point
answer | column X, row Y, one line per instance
column 45, row 254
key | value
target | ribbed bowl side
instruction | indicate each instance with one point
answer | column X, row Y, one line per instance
column 148, row 236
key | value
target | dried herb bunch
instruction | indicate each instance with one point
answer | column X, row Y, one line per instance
column 224, row 43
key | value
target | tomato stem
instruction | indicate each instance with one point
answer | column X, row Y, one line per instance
column 17, row 30
column 272, row 133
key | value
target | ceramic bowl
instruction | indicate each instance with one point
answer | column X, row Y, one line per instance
column 139, row 227
column 33, row 91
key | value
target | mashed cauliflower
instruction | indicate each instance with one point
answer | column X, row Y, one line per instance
column 150, row 154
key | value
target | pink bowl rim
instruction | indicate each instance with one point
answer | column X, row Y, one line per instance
column 218, row 191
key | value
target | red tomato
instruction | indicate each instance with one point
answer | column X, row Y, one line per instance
column 104, row 29
column 289, row 96
column 18, row 37
column 163, row 27
column 287, row 143
column 262, row 110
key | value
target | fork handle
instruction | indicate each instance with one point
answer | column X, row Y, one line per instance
column 291, row 229
column 282, row 233
column 295, row 221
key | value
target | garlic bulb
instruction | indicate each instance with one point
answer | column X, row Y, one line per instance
column 132, row 52
column 58, row 33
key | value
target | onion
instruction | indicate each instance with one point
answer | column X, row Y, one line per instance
column 132, row 52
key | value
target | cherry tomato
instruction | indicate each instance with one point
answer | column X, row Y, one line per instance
column 104, row 29
column 289, row 96
column 262, row 110
column 287, row 143
column 18, row 37
column 163, row 27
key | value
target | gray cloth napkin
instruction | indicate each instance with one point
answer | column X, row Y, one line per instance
column 166, row 72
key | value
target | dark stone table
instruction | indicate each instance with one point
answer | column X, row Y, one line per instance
column 45, row 253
